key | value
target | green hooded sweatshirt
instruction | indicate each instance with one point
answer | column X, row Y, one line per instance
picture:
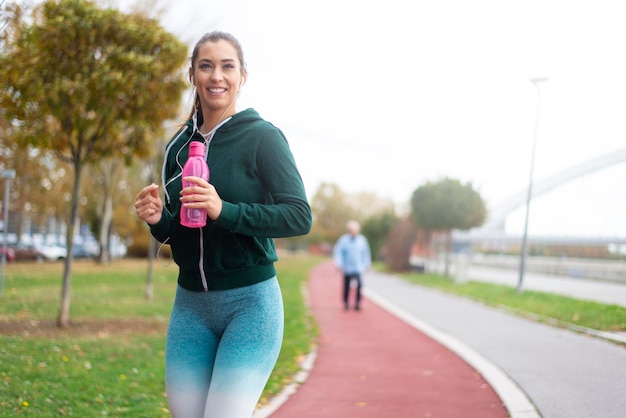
column 254, row 172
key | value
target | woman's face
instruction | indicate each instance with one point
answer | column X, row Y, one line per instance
column 217, row 75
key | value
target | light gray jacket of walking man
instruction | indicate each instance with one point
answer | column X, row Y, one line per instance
column 352, row 257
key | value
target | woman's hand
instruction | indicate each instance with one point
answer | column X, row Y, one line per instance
column 149, row 205
column 201, row 195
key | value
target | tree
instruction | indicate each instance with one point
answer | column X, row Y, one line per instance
column 332, row 210
column 446, row 205
column 88, row 83
column 368, row 205
column 102, row 188
column 398, row 244
column 376, row 228
column 151, row 173
column 38, row 176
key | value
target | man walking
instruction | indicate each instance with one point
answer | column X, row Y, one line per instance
column 352, row 257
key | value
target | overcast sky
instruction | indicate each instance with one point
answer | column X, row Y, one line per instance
column 384, row 95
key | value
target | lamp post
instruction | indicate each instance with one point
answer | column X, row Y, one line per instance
column 7, row 175
column 524, row 249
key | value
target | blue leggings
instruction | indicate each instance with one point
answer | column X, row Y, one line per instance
column 221, row 349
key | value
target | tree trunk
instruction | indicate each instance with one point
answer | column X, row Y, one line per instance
column 149, row 276
column 21, row 221
column 104, row 235
column 64, row 312
column 152, row 249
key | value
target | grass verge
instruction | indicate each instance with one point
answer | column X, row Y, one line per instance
column 546, row 307
column 109, row 361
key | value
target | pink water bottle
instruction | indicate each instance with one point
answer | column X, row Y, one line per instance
column 196, row 166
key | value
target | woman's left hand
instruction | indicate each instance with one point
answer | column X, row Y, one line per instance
column 201, row 195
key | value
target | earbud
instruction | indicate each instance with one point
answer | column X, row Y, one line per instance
column 243, row 80
column 192, row 82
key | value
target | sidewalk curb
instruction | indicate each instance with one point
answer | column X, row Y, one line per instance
column 513, row 397
column 607, row 336
column 277, row 401
column 612, row 337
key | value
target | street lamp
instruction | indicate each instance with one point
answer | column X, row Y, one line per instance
column 524, row 249
column 7, row 175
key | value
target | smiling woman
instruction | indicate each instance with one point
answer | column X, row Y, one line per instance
column 255, row 194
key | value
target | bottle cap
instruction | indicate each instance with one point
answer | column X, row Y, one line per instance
column 196, row 148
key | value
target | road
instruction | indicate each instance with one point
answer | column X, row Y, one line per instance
column 586, row 289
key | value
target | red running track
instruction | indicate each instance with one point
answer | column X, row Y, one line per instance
column 370, row 364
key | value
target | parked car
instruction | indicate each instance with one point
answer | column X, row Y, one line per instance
column 26, row 252
column 10, row 255
column 52, row 251
column 119, row 250
column 81, row 251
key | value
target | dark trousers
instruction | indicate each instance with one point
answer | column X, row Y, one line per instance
column 347, row 279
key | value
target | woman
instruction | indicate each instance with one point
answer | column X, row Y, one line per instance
column 226, row 325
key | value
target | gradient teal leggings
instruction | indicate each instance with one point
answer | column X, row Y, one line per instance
column 221, row 349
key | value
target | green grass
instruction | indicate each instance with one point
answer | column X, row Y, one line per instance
column 82, row 377
column 545, row 307
column 109, row 362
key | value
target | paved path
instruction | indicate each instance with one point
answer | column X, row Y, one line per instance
column 370, row 364
column 564, row 374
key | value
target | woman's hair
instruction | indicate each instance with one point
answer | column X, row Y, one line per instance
column 213, row 37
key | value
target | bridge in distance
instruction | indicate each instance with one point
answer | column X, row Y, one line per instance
column 493, row 229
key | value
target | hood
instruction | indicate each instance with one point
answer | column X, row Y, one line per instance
column 242, row 117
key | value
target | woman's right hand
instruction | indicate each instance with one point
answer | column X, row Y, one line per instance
column 149, row 205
